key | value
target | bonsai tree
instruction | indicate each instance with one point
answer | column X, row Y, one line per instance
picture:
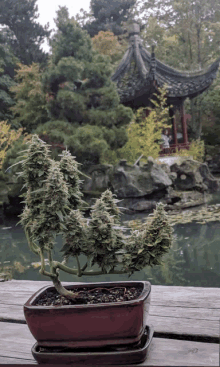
column 53, row 206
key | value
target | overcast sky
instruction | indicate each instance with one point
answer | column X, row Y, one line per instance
column 47, row 10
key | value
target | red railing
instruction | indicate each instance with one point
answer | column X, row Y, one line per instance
column 164, row 151
column 174, row 148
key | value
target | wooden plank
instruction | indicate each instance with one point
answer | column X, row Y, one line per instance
column 162, row 324
column 177, row 310
column 16, row 342
column 198, row 297
column 171, row 296
column 182, row 312
column 8, row 360
column 184, row 326
column 167, row 352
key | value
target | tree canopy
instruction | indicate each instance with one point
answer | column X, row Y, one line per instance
column 30, row 109
column 80, row 92
column 7, row 65
column 109, row 16
column 21, row 30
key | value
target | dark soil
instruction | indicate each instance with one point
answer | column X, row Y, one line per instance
column 85, row 295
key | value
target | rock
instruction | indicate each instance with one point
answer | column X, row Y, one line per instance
column 138, row 181
column 172, row 176
column 193, row 175
column 186, row 199
column 213, row 159
column 143, row 205
column 123, row 162
column 100, row 178
column 165, row 167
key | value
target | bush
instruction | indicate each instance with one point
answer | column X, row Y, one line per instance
column 196, row 150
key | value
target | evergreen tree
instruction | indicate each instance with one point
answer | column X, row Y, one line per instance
column 109, row 16
column 30, row 108
column 7, row 65
column 81, row 93
column 21, row 31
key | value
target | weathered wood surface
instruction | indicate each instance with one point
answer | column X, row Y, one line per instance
column 16, row 342
column 173, row 310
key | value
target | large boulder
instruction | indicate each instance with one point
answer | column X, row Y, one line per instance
column 213, row 163
column 185, row 199
column 99, row 178
column 136, row 181
column 193, row 175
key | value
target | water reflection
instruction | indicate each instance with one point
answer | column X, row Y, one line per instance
column 192, row 261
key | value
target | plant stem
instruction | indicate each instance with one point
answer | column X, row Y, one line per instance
column 34, row 248
column 58, row 265
column 42, row 270
column 63, row 291
column 65, row 268
column 54, row 276
column 84, row 267
column 92, row 272
column 78, row 264
column 50, row 260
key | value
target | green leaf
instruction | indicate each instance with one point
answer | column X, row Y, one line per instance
column 60, row 215
column 63, row 226
column 15, row 164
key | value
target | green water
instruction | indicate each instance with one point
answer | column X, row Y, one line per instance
column 192, row 261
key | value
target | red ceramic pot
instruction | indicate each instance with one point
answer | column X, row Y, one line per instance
column 91, row 325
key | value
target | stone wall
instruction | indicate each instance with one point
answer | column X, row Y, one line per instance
column 182, row 184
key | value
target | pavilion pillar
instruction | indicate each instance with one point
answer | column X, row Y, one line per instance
column 173, row 120
column 147, row 112
column 183, row 122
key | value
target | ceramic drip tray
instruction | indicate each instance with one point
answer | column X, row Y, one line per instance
column 135, row 353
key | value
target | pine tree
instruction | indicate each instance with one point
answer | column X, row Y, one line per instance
column 109, row 16
column 22, row 33
column 81, row 93
column 7, row 65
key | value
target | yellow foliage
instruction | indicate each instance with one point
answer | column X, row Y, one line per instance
column 106, row 43
column 30, row 108
column 7, row 137
column 144, row 134
column 196, row 150
column 110, row 157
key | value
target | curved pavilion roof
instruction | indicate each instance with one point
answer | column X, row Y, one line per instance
column 140, row 74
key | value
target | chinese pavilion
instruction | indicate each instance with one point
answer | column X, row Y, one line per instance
column 140, row 74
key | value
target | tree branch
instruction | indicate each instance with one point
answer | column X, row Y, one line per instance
column 78, row 264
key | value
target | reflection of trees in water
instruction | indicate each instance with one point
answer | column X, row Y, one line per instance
column 9, row 253
column 171, row 272
column 192, row 261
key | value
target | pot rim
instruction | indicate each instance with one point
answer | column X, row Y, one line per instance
column 145, row 293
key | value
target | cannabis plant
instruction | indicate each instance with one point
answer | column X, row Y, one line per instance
column 53, row 206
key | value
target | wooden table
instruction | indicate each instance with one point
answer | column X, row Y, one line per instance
column 186, row 321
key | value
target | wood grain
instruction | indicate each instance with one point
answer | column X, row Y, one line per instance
column 16, row 342
column 176, row 310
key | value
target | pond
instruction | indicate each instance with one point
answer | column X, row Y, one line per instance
column 192, row 261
